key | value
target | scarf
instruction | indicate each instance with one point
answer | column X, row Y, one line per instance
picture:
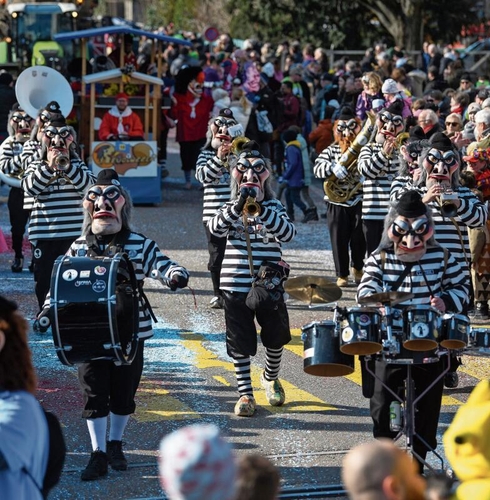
column 115, row 112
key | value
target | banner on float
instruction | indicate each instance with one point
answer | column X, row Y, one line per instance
column 129, row 159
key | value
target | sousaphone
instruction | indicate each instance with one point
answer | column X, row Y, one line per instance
column 35, row 88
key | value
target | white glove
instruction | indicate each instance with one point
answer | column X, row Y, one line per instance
column 340, row 171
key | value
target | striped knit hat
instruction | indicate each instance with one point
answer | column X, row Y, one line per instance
column 196, row 463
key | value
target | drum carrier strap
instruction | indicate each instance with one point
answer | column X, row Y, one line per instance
column 116, row 245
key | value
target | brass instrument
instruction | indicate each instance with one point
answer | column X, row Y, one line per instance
column 341, row 190
column 446, row 200
column 62, row 162
column 235, row 149
column 251, row 208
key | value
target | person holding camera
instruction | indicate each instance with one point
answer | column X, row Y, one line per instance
column 213, row 173
column 255, row 225
column 121, row 123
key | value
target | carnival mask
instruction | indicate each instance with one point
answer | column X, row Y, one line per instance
column 21, row 124
column 410, row 236
column 251, row 171
column 388, row 124
column 220, row 130
column 57, row 141
column 440, row 166
column 105, row 204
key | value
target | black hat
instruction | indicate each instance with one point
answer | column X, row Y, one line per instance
column 7, row 307
column 59, row 121
column 6, row 78
column 396, row 107
column 289, row 135
column 441, row 142
column 465, row 76
column 108, row 177
column 483, row 94
column 411, row 205
column 327, row 76
column 226, row 113
column 16, row 107
column 53, row 107
column 346, row 113
column 416, row 134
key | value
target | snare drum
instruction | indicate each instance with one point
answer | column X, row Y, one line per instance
column 360, row 331
column 322, row 355
column 455, row 331
column 94, row 309
column 420, row 328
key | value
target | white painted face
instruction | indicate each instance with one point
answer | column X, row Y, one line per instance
column 105, row 204
column 410, row 236
column 251, row 171
column 440, row 167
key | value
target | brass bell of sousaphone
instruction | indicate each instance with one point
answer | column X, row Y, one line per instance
column 39, row 85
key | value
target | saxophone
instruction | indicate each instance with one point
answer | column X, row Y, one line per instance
column 342, row 190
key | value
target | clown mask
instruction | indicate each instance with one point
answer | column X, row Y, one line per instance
column 195, row 87
column 388, row 126
column 57, row 141
column 105, row 204
column 440, row 167
column 410, row 236
column 345, row 132
column 220, row 131
column 251, row 171
column 21, row 124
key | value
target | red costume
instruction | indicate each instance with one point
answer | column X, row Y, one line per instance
column 112, row 122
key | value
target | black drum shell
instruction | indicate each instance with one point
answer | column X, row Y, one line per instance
column 455, row 331
column 360, row 331
column 322, row 356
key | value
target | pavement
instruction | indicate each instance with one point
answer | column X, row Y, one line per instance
column 189, row 378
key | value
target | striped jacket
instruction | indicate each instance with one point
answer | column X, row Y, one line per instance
column 378, row 171
column 11, row 163
column 454, row 236
column 57, row 212
column 215, row 178
column 145, row 257
column 267, row 232
column 450, row 283
column 323, row 170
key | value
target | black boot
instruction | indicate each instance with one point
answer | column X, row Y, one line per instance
column 310, row 214
column 17, row 265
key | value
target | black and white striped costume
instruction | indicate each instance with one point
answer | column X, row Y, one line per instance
column 471, row 213
column 11, row 164
column 30, row 152
column 267, row 232
column 215, row 178
column 122, row 380
column 452, row 287
column 57, row 215
column 378, row 171
column 343, row 219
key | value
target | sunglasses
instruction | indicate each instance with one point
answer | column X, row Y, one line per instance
column 18, row 117
column 452, row 124
column 463, row 81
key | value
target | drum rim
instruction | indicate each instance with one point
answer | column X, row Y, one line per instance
column 309, row 325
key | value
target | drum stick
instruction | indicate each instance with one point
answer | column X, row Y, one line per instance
column 164, row 281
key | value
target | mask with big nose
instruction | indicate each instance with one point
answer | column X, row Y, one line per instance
column 57, row 138
column 251, row 171
column 105, row 204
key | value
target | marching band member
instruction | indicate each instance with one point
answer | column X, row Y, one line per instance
column 19, row 128
column 409, row 259
column 213, row 173
column 254, row 239
column 378, row 163
column 343, row 217
column 57, row 181
column 107, row 388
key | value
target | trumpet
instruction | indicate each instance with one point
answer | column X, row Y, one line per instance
column 251, row 208
column 447, row 201
column 62, row 162
column 235, row 149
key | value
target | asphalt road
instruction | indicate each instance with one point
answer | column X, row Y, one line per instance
column 189, row 378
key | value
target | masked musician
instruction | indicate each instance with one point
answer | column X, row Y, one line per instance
column 213, row 173
column 192, row 109
column 19, row 128
column 344, row 215
column 109, row 389
column 378, row 163
column 57, row 181
column 409, row 259
column 255, row 232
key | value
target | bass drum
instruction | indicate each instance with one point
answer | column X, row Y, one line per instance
column 94, row 309
column 322, row 356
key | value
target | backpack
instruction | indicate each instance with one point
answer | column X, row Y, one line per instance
column 57, row 453
column 263, row 123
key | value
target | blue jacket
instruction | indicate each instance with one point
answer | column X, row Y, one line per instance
column 294, row 174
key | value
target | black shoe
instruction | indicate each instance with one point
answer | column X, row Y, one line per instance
column 310, row 214
column 97, row 466
column 323, row 216
column 31, row 267
column 38, row 328
column 116, row 456
column 451, row 380
column 17, row 265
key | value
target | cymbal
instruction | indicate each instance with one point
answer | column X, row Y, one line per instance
column 313, row 289
column 391, row 298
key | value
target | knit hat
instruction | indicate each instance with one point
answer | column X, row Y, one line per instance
column 196, row 463
column 334, row 103
column 411, row 205
column 389, row 87
column 469, row 131
column 378, row 104
column 346, row 113
column 108, row 177
column 474, row 107
column 122, row 95
column 441, row 142
column 52, row 107
column 289, row 135
column 396, row 108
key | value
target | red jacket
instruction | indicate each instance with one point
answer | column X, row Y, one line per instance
column 322, row 136
column 132, row 126
column 189, row 128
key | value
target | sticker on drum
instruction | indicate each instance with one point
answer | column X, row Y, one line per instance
column 321, row 355
column 420, row 328
column 455, row 331
column 361, row 331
